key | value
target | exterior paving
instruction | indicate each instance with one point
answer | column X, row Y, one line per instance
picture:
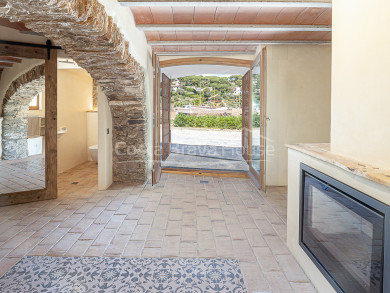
column 206, row 157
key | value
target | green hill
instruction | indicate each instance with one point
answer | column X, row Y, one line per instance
column 198, row 89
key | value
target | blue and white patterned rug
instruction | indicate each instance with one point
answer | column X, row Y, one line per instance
column 136, row 275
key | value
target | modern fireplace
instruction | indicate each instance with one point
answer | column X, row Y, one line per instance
column 345, row 233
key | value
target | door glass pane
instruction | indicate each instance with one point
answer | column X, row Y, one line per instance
column 256, row 90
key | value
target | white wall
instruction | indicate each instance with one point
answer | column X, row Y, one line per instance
column 92, row 130
column 361, row 81
column 105, row 171
column 297, row 102
column 74, row 100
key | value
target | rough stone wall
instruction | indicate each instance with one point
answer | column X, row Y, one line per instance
column 15, row 111
column 93, row 40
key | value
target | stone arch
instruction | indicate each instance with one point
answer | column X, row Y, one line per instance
column 92, row 38
column 15, row 110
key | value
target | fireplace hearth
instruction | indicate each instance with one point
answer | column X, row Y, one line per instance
column 345, row 233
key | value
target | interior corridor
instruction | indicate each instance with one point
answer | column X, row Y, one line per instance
column 182, row 216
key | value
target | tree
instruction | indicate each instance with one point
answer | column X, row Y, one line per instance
column 194, row 87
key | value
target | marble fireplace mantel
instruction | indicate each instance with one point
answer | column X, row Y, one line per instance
column 322, row 151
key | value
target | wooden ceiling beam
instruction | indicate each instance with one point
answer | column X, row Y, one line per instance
column 10, row 59
column 5, row 64
column 203, row 53
column 33, row 51
column 234, row 27
column 206, row 60
column 232, row 43
column 232, row 3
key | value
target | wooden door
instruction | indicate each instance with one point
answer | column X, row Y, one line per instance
column 166, row 116
column 29, row 51
column 246, row 106
column 156, row 121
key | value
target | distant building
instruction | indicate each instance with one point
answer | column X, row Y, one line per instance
column 176, row 82
column 237, row 91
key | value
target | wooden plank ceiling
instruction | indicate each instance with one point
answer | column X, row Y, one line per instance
column 173, row 28
column 224, row 28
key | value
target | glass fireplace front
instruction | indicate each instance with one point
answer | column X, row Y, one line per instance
column 343, row 232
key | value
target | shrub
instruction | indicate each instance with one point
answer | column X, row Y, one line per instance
column 208, row 121
column 180, row 120
column 256, row 120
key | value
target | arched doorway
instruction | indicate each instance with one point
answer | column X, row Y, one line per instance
column 15, row 111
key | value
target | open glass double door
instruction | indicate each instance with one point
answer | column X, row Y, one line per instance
column 253, row 113
column 161, row 116
column 253, row 119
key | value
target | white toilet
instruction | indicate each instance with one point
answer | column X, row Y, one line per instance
column 93, row 150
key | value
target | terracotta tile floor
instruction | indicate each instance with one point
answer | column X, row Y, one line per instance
column 179, row 217
column 22, row 174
